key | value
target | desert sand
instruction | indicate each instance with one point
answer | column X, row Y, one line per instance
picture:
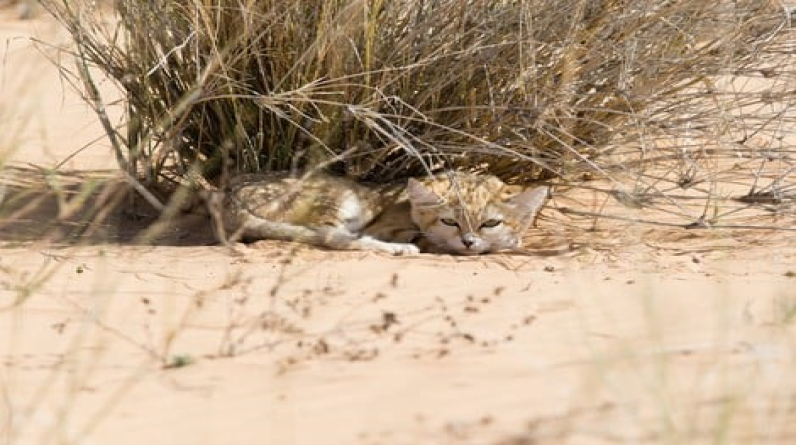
column 628, row 334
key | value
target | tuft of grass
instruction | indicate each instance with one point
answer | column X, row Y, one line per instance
column 671, row 102
column 385, row 90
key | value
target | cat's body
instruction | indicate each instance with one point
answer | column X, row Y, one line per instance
column 459, row 213
column 320, row 210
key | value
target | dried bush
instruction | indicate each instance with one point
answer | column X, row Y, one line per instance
column 382, row 90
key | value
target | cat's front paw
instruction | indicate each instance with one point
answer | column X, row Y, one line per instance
column 403, row 249
column 369, row 243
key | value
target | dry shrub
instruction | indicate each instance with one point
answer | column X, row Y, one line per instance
column 382, row 90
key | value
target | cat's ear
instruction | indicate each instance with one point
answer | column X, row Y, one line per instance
column 420, row 195
column 530, row 201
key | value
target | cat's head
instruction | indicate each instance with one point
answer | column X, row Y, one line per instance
column 469, row 214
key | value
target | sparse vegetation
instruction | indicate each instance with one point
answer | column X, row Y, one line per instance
column 657, row 97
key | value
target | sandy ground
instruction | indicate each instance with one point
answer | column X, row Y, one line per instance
column 628, row 335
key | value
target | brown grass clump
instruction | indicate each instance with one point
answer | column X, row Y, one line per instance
column 386, row 90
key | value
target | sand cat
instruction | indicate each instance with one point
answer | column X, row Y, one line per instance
column 458, row 213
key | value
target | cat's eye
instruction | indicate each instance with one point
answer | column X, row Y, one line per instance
column 491, row 223
column 449, row 222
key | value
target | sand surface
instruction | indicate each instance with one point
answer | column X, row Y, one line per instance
column 632, row 334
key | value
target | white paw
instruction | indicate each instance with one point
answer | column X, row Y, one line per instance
column 403, row 249
column 369, row 243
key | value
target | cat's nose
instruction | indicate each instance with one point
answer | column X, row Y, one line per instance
column 469, row 240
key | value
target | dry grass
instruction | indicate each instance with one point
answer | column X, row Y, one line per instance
column 683, row 112
column 674, row 104
column 385, row 90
